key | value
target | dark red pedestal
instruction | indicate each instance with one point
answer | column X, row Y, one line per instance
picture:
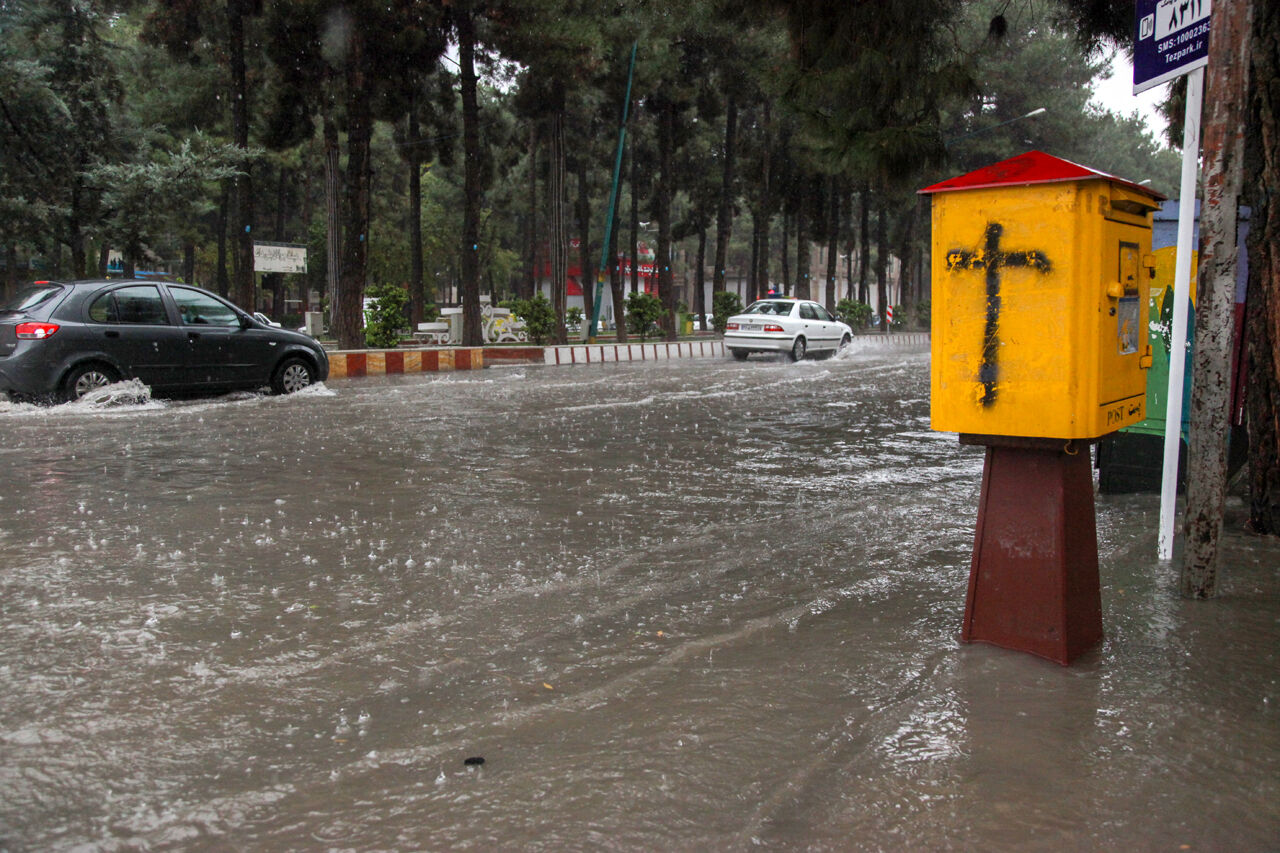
column 1033, row 584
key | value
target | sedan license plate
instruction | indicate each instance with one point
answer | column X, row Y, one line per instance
column 749, row 327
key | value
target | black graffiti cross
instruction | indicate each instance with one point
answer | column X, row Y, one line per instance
column 992, row 259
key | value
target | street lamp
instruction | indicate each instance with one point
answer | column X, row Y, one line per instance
column 1032, row 114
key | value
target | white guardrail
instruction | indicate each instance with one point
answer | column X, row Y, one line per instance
column 710, row 348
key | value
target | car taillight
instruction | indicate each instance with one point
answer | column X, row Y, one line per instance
column 731, row 327
column 35, row 331
column 773, row 328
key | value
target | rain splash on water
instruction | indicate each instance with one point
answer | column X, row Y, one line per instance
column 686, row 605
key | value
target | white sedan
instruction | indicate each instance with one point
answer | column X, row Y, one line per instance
column 794, row 326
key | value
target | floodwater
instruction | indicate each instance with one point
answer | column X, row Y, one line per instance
column 693, row 605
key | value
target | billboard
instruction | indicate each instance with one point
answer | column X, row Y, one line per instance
column 279, row 257
column 1171, row 37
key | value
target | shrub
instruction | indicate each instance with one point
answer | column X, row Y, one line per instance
column 538, row 316
column 574, row 316
column 385, row 317
column 856, row 314
column 723, row 306
column 643, row 312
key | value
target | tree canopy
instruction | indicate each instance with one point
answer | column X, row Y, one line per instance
column 459, row 148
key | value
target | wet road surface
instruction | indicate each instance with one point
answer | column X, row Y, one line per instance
column 690, row 605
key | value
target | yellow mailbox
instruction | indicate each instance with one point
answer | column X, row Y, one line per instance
column 1040, row 278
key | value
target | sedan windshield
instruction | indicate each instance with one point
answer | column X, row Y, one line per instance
column 30, row 298
column 778, row 307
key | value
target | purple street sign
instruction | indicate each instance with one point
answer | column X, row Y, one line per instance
column 1171, row 37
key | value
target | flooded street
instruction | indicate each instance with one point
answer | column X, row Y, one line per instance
column 695, row 605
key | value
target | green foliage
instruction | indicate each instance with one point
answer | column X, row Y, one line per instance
column 538, row 315
column 899, row 318
column 386, row 317
column 922, row 314
column 573, row 317
column 723, row 306
column 643, row 312
column 856, row 314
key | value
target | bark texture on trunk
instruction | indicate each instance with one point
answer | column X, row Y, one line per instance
column 417, row 294
column 242, row 215
column 833, row 244
column 1223, row 154
column 586, row 261
column 559, row 236
column 472, row 335
column 724, row 215
column 1262, row 326
column 662, row 212
column 349, row 322
column 332, row 216
column 882, row 271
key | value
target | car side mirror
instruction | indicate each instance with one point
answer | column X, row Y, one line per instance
column 246, row 322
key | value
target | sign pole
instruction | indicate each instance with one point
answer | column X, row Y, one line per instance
column 1181, row 301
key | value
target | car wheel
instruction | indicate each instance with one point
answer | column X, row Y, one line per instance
column 292, row 375
column 739, row 354
column 85, row 378
column 798, row 350
column 844, row 342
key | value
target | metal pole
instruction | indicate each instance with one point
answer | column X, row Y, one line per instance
column 1181, row 298
column 613, row 201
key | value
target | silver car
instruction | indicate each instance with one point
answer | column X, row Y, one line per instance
column 796, row 327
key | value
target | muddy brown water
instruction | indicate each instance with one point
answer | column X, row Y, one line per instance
column 691, row 605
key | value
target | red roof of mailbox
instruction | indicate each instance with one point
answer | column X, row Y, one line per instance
column 1034, row 167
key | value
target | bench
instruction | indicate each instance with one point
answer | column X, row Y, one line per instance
column 433, row 333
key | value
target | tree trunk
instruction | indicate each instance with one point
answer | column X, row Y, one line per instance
column 472, row 334
column 189, row 262
column 586, row 265
column 349, row 321
column 276, row 280
column 332, row 217
column 1262, row 164
column 635, row 220
column 753, row 272
column 905, row 252
column 882, row 270
column 531, row 275
column 786, row 253
column 559, row 235
column 724, row 215
column 1215, row 296
column 833, row 244
column 804, row 254
column 698, row 299
column 242, row 210
column 224, row 204
column 762, row 279
column 76, row 232
column 617, row 283
column 864, row 246
column 662, row 212
column 417, row 284
column 10, row 270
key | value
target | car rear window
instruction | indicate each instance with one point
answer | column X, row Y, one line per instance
column 31, row 297
column 782, row 309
